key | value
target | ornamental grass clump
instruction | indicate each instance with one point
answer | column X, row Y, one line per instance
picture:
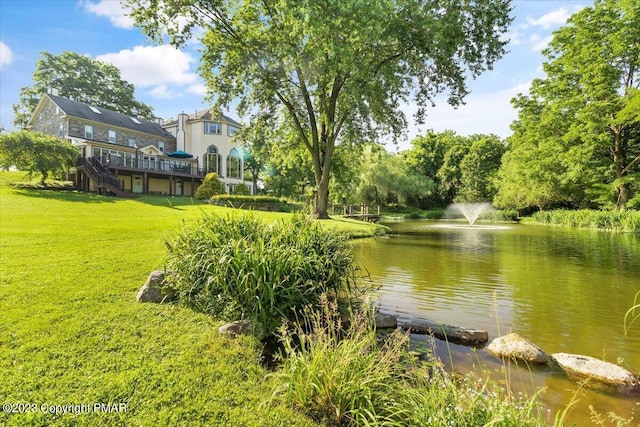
column 344, row 375
column 240, row 267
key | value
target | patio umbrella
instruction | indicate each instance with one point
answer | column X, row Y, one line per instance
column 180, row 155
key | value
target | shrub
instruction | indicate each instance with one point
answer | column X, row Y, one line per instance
column 241, row 190
column 211, row 185
column 235, row 268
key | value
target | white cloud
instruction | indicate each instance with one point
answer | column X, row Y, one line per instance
column 162, row 92
column 6, row 55
column 112, row 9
column 540, row 43
column 197, row 89
column 147, row 66
column 551, row 19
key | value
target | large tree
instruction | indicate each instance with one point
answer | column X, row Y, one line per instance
column 337, row 69
column 582, row 112
column 36, row 152
column 81, row 78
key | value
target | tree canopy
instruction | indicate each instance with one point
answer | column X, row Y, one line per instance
column 35, row 152
column 577, row 137
column 80, row 78
column 337, row 69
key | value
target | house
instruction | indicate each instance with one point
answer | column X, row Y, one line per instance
column 121, row 154
column 209, row 137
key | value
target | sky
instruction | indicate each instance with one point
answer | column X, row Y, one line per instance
column 167, row 79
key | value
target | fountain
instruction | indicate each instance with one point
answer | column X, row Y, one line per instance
column 471, row 211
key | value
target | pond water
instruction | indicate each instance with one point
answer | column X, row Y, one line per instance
column 565, row 290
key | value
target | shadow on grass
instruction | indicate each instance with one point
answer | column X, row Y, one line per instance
column 171, row 202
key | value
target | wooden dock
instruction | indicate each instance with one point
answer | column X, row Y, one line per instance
column 362, row 212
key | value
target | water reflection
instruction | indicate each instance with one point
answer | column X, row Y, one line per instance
column 565, row 290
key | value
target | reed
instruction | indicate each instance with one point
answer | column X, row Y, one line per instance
column 628, row 221
column 239, row 267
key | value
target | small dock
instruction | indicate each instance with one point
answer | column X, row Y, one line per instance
column 362, row 212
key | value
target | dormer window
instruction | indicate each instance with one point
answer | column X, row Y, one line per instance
column 95, row 110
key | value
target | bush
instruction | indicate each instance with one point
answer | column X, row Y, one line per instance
column 210, row 186
column 241, row 190
column 259, row 203
column 242, row 268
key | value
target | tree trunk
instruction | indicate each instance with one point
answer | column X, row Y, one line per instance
column 321, row 202
column 620, row 160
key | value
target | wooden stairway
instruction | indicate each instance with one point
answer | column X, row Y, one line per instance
column 105, row 181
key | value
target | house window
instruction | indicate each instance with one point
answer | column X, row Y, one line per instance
column 132, row 142
column 234, row 164
column 213, row 127
column 213, row 161
column 88, row 132
column 161, row 145
column 232, row 129
column 112, row 136
column 60, row 130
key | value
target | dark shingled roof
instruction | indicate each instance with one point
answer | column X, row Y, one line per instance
column 207, row 115
column 108, row 117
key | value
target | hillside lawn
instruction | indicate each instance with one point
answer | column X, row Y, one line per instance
column 71, row 332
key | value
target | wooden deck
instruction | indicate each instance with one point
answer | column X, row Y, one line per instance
column 360, row 212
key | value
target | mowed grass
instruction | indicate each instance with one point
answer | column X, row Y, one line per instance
column 71, row 332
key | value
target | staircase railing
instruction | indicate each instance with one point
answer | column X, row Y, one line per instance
column 100, row 174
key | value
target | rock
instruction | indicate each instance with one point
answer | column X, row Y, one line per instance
column 513, row 345
column 385, row 320
column 236, row 328
column 154, row 289
column 451, row 333
column 596, row 369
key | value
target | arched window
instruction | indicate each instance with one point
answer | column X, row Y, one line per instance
column 213, row 161
column 234, row 164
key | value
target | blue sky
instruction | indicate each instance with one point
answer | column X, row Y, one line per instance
column 166, row 78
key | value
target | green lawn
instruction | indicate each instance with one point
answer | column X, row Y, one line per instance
column 71, row 332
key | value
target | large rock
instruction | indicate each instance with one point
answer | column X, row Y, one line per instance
column 154, row 290
column 596, row 369
column 239, row 327
column 515, row 346
column 385, row 320
column 450, row 333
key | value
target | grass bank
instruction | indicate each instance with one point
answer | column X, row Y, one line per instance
column 627, row 221
column 71, row 332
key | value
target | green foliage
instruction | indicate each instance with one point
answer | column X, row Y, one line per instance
column 242, row 268
column 586, row 218
column 241, row 190
column 577, row 138
column 81, row 78
column 211, row 185
column 386, row 179
column 345, row 376
column 462, row 168
column 335, row 71
column 36, row 152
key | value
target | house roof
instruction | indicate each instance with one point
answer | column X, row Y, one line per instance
column 108, row 117
column 206, row 115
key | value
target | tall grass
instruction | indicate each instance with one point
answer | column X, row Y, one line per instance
column 345, row 376
column 240, row 267
column 605, row 220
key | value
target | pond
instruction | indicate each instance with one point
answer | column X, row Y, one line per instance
column 565, row 290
